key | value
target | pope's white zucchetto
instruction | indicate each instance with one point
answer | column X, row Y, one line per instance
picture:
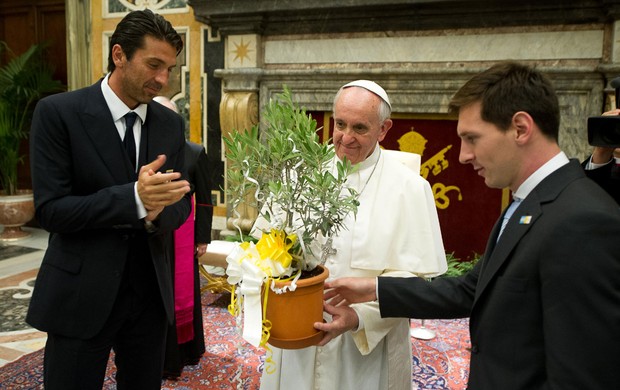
column 372, row 87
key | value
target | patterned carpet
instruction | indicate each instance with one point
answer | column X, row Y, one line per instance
column 231, row 363
column 18, row 269
column 9, row 251
column 14, row 305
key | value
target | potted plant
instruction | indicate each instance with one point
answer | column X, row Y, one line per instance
column 23, row 81
column 458, row 267
column 289, row 176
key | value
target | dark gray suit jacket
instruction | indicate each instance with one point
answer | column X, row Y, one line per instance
column 544, row 303
column 197, row 166
column 83, row 187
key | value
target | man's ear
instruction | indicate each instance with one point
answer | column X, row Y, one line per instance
column 387, row 125
column 117, row 55
column 524, row 124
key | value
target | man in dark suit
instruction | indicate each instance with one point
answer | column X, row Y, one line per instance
column 603, row 166
column 185, row 342
column 110, row 208
column 544, row 300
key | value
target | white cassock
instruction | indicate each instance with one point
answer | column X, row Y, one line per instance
column 395, row 233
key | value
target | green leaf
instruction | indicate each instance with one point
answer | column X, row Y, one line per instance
column 284, row 167
column 23, row 81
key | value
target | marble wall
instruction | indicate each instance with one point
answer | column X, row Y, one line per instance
column 420, row 52
column 420, row 73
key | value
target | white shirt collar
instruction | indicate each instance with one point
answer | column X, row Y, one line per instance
column 116, row 105
column 372, row 159
column 558, row 161
column 368, row 162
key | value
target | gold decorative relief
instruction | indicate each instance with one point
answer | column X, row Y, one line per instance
column 239, row 110
column 415, row 142
column 241, row 51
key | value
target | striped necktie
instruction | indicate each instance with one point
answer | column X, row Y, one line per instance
column 511, row 209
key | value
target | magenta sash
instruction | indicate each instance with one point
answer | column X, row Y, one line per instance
column 184, row 248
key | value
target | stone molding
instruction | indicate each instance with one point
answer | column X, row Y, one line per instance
column 420, row 51
column 275, row 17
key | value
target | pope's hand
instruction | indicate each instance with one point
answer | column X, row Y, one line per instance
column 344, row 319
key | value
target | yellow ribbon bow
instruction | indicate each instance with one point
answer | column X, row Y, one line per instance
column 275, row 246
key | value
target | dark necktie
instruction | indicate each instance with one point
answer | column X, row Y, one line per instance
column 129, row 141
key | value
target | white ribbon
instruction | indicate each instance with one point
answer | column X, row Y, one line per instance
column 233, row 270
column 243, row 271
column 290, row 287
column 257, row 195
column 250, row 288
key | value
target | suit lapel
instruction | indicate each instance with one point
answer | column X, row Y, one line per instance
column 499, row 253
column 546, row 191
column 155, row 134
column 143, row 157
column 99, row 125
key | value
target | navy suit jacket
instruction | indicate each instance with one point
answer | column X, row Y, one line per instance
column 544, row 302
column 83, row 187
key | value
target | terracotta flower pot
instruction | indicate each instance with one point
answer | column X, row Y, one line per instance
column 293, row 313
column 15, row 211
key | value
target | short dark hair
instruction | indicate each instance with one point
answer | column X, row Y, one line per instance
column 132, row 29
column 509, row 87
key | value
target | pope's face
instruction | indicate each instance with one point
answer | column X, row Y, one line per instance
column 142, row 78
column 357, row 126
column 493, row 153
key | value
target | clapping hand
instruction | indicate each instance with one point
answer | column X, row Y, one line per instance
column 158, row 190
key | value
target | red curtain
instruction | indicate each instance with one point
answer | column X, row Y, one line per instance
column 467, row 208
